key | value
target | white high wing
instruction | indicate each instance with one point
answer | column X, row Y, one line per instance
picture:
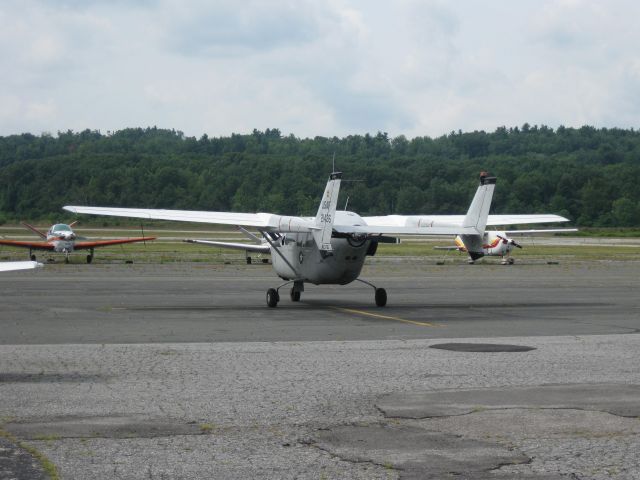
column 329, row 248
column 481, row 242
column 12, row 266
column 490, row 220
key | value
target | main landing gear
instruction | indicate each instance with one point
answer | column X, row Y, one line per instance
column 380, row 295
column 90, row 256
column 273, row 295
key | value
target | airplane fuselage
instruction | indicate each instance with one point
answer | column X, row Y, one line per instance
column 62, row 246
column 62, row 238
column 497, row 246
column 492, row 243
column 296, row 256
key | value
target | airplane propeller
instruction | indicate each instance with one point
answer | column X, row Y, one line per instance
column 67, row 237
column 509, row 241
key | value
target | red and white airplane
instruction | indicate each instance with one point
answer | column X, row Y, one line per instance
column 62, row 239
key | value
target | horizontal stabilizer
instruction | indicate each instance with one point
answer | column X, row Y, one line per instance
column 234, row 246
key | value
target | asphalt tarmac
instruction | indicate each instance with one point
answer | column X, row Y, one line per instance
column 182, row 371
column 226, row 303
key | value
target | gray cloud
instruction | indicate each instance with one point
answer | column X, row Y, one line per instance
column 224, row 29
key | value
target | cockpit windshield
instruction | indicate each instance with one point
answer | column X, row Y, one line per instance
column 61, row 227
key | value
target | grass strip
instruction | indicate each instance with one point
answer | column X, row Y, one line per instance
column 47, row 465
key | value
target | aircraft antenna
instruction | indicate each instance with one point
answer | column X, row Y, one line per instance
column 346, row 204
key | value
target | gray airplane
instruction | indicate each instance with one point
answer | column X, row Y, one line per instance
column 329, row 248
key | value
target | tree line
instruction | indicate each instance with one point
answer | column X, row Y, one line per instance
column 590, row 175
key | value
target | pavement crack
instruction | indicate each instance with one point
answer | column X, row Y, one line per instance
column 481, row 409
column 354, row 461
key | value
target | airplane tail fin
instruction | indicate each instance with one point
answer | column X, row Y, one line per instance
column 35, row 230
column 478, row 212
column 477, row 216
column 326, row 213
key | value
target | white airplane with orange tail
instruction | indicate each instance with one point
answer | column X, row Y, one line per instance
column 62, row 239
column 482, row 242
column 499, row 243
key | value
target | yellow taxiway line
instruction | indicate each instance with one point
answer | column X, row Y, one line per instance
column 386, row 317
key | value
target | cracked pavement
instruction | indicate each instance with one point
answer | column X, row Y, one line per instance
column 347, row 396
column 240, row 410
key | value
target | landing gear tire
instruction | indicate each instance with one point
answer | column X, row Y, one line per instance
column 89, row 258
column 272, row 297
column 381, row 297
column 248, row 260
column 33, row 257
column 511, row 261
column 295, row 295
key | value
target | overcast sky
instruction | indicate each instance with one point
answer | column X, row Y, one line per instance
column 332, row 67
